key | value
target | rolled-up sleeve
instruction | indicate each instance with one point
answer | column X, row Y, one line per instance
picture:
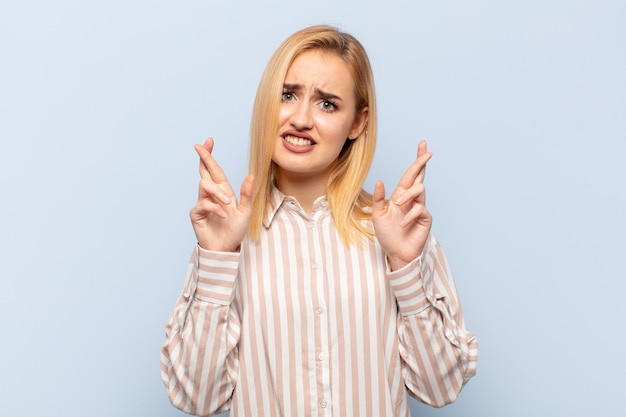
column 199, row 358
column 439, row 355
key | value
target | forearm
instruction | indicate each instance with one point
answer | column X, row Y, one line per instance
column 438, row 353
column 199, row 358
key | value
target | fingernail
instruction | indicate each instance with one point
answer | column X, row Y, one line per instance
column 225, row 198
column 400, row 199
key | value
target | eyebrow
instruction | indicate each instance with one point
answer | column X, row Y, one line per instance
column 321, row 93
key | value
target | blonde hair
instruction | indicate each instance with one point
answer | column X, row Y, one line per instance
column 349, row 203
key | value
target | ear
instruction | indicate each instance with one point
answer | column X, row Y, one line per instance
column 359, row 124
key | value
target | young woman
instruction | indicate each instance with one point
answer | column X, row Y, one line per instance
column 309, row 296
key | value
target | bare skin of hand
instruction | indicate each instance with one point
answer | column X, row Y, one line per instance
column 219, row 222
column 402, row 226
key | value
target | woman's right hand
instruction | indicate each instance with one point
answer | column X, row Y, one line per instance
column 220, row 224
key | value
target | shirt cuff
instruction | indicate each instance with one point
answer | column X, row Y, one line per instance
column 408, row 287
column 217, row 272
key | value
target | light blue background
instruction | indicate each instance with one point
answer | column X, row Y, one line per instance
column 524, row 107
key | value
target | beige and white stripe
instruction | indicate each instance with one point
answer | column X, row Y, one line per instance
column 297, row 324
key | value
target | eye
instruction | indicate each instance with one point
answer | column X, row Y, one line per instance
column 287, row 96
column 328, row 106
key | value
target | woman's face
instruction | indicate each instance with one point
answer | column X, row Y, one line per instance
column 317, row 115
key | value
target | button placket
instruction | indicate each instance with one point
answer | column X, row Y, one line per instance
column 320, row 355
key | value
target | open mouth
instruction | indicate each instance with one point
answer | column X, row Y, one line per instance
column 296, row 141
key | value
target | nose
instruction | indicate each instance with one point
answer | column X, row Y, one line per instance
column 301, row 118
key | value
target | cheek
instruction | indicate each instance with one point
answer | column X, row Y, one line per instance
column 282, row 116
column 333, row 129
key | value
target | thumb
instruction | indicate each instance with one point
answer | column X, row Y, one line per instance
column 246, row 193
column 378, row 203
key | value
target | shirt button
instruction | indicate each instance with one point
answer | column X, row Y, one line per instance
column 320, row 356
column 323, row 204
column 315, row 266
column 311, row 225
column 323, row 404
column 320, row 310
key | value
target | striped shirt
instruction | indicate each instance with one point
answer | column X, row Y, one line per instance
column 298, row 324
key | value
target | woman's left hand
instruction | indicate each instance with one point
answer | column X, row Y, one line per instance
column 403, row 224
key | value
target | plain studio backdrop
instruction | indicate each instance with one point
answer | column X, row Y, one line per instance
column 524, row 107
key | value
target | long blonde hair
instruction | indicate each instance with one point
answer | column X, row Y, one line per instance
column 349, row 203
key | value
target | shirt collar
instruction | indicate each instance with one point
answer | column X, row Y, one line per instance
column 277, row 199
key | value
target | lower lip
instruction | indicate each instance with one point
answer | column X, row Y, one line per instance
column 296, row 148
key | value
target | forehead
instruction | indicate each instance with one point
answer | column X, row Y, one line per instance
column 321, row 68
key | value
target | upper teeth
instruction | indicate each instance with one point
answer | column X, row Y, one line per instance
column 298, row 141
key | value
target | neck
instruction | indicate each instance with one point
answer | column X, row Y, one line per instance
column 303, row 187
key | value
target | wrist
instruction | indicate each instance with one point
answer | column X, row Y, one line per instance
column 219, row 248
column 396, row 263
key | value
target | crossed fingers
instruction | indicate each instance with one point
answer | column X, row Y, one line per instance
column 214, row 186
column 411, row 185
